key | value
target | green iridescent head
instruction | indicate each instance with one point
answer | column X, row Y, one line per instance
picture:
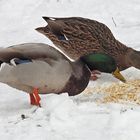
column 103, row 63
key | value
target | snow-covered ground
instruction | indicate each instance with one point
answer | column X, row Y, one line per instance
column 61, row 117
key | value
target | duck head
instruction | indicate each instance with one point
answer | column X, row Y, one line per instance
column 103, row 63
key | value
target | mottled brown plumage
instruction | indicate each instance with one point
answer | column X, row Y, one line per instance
column 79, row 36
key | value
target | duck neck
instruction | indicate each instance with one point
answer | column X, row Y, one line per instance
column 132, row 58
column 79, row 78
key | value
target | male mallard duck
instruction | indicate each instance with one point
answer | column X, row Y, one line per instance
column 38, row 68
column 79, row 36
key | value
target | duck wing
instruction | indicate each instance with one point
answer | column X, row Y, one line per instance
column 71, row 36
column 28, row 52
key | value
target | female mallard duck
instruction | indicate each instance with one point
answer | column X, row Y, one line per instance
column 40, row 69
column 79, row 36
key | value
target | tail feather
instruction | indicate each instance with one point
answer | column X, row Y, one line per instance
column 46, row 18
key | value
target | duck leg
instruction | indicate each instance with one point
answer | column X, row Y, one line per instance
column 32, row 99
column 94, row 74
column 35, row 98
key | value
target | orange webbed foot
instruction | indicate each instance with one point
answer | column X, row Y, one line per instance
column 35, row 98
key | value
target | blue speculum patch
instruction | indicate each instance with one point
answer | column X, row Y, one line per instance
column 20, row 61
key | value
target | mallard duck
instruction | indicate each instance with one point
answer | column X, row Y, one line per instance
column 38, row 68
column 78, row 36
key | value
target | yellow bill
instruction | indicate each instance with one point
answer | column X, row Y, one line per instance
column 118, row 75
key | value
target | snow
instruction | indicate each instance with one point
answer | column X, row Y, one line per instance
column 62, row 117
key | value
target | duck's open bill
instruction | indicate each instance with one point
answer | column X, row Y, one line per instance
column 118, row 75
